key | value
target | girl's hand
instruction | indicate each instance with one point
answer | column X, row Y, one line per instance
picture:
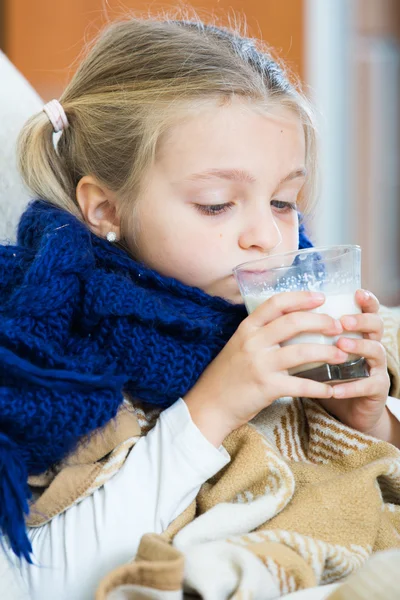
column 361, row 404
column 251, row 371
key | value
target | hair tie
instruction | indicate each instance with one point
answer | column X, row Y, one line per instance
column 56, row 114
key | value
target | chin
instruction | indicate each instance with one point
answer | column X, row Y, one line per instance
column 227, row 291
column 232, row 298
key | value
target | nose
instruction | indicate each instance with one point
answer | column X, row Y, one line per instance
column 260, row 232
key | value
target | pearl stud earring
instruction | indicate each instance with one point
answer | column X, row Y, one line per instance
column 111, row 236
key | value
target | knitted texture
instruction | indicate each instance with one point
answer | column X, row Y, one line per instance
column 80, row 321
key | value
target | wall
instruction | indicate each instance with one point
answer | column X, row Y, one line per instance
column 44, row 37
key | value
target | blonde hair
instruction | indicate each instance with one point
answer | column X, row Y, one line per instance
column 134, row 83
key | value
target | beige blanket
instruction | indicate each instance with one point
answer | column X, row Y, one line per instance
column 305, row 501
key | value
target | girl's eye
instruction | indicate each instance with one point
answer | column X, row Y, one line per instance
column 213, row 209
column 284, row 207
column 217, row 209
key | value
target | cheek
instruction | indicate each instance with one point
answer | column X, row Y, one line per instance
column 194, row 236
column 176, row 251
column 197, row 256
column 290, row 233
column 294, row 238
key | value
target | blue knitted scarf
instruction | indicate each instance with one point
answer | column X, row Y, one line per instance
column 80, row 321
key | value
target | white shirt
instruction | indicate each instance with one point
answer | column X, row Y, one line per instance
column 161, row 476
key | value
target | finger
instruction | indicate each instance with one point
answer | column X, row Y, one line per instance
column 281, row 304
column 297, row 387
column 367, row 323
column 288, row 326
column 370, row 387
column 371, row 350
column 295, row 355
column 367, row 301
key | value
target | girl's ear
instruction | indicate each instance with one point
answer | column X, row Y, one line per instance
column 98, row 206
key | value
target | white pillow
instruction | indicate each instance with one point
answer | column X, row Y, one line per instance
column 18, row 101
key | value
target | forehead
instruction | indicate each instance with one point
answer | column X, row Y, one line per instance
column 236, row 135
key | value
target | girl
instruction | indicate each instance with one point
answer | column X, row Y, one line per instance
column 177, row 151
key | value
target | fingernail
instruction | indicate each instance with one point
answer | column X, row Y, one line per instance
column 349, row 322
column 317, row 296
column 366, row 295
column 348, row 344
column 338, row 392
column 337, row 326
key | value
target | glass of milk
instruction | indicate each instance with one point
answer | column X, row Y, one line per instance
column 333, row 270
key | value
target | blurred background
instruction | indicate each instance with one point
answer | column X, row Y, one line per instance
column 347, row 54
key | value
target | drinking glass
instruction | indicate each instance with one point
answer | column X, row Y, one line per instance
column 333, row 270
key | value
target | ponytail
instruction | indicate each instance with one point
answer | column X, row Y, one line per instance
column 41, row 167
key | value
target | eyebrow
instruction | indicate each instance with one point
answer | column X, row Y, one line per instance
column 238, row 175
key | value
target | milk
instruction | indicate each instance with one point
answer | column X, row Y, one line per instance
column 335, row 305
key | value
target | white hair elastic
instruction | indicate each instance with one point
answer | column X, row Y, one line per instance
column 57, row 118
column 56, row 115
